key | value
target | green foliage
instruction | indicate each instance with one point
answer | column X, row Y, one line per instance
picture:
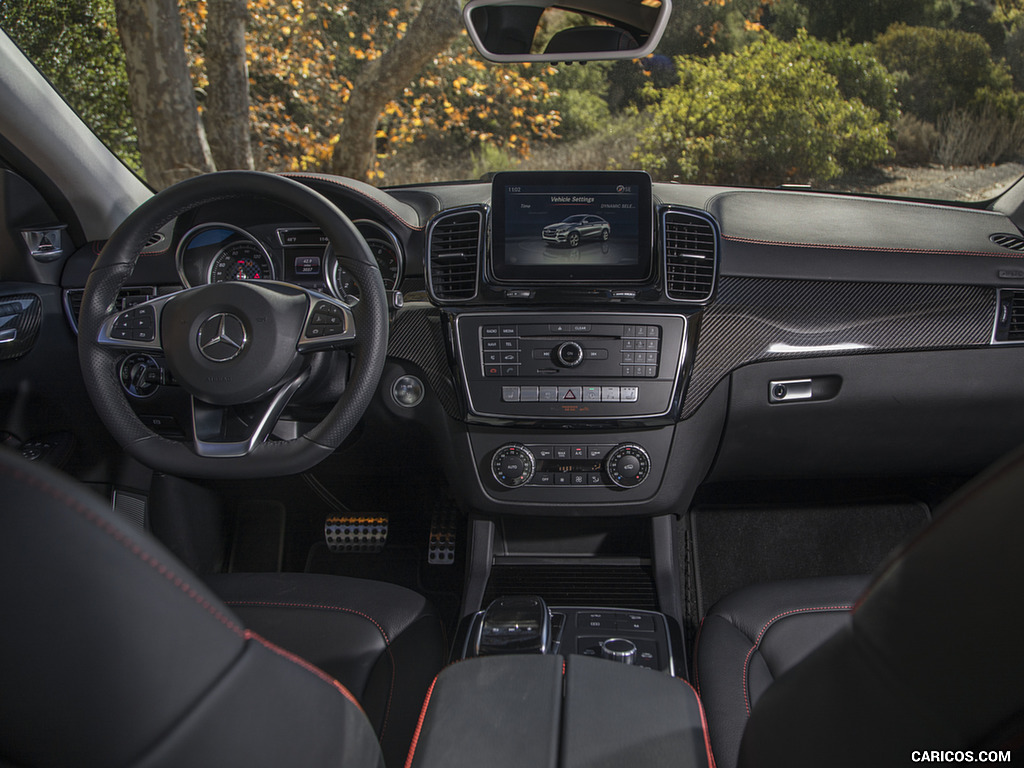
column 859, row 21
column 75, row 44
column 769, row 114
column 942, row 70
column 578, row 95
column 858, row 74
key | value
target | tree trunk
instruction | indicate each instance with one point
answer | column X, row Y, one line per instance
column 171, row 137
column 382, row 79
column 227, row 106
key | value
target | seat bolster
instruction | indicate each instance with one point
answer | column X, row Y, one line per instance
column 752, row 637
column 279, row 713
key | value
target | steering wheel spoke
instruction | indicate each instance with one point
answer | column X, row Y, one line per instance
column 135, row 328
column 329, row 324
column 236, row 431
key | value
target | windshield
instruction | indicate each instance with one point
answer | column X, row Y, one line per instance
column 923, row 98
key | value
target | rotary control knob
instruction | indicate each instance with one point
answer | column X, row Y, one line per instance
column 513, row 465
column 628, row 465
column 569, row 354
column 618, row 649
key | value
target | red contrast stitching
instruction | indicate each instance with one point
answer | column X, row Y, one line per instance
column 419, row 725
column 696, row 652
column 76, row 506
column 387, row 640
column 250, row 635
column 703, row 723
column 871, row 249
column 346, row 187
column 760, row 635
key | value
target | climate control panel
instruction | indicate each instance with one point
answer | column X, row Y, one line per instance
column 569, row 465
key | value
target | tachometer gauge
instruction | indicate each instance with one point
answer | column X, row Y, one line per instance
column 242, row 260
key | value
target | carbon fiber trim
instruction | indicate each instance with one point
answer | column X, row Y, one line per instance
column 416, row 336
column 20, row 319
column 754, row 320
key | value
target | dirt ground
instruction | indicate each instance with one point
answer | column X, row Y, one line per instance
column 934, row 182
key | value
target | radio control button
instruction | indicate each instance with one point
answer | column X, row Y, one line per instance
column 596, row 354
column 492, row 371
column 542, row 354
column 489, row 331
column 580, row 328
column 507, row 331
column 549, row 394
column 529, row 394
column 627, row 371
column 628, row 331
column 510, row 394
column 629, row 357
column 629, row 394
column 558, row 328
column 653, row 331
column 610, row 394
column 641, row 331
column 628, row 344
column 651, row 371
column 569, row 354
column 509, row 344
column 489, row 344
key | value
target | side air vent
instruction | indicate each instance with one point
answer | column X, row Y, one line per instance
column 153, row 240
column 1009, row 317
column 454, row 246
column 1013, row 242
column 126, row 297
column 690, row 244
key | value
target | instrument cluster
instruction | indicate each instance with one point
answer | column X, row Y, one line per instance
column 216, row 252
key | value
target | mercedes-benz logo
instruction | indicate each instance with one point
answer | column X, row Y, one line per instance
column 221, row 337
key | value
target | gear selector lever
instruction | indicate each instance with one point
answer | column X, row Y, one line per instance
column 520, row 624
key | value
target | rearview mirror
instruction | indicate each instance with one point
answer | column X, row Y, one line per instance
column 574, row 30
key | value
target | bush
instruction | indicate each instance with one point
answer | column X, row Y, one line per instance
column 944, row 70
column 916, row 141
column 970, row 138
column 771, row 113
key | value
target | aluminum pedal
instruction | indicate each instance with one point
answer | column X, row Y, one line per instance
column 443, row 528
column 356, row 535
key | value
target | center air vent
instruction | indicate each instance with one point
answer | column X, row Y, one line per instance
column 1013, row 242
column 1009, row 317
column 690, row 245
column 454, row 254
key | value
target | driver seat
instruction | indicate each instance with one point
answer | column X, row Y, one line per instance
column 113, row 653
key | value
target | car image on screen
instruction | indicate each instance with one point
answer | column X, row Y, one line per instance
column 575, row 229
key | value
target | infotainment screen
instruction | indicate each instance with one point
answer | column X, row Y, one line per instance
column 579, row 227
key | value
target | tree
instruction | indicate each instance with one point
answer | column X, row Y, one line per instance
column 227, row 106
column 383, row 78
column 172, row 140
column 76, row 45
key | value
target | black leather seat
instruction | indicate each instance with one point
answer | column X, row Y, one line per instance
column 844, row 672
column 113, row 653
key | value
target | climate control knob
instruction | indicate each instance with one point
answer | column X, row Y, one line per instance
column 628, row 465
column 513, row 465
column 569, row 354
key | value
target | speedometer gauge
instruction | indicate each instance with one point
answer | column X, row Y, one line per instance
column 242, row 260
column 386, row 252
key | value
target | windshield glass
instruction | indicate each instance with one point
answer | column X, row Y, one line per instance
column 923, row 98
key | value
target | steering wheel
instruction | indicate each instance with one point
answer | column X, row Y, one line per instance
column 235, row 346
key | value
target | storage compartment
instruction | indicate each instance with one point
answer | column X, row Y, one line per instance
column 548, row 711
